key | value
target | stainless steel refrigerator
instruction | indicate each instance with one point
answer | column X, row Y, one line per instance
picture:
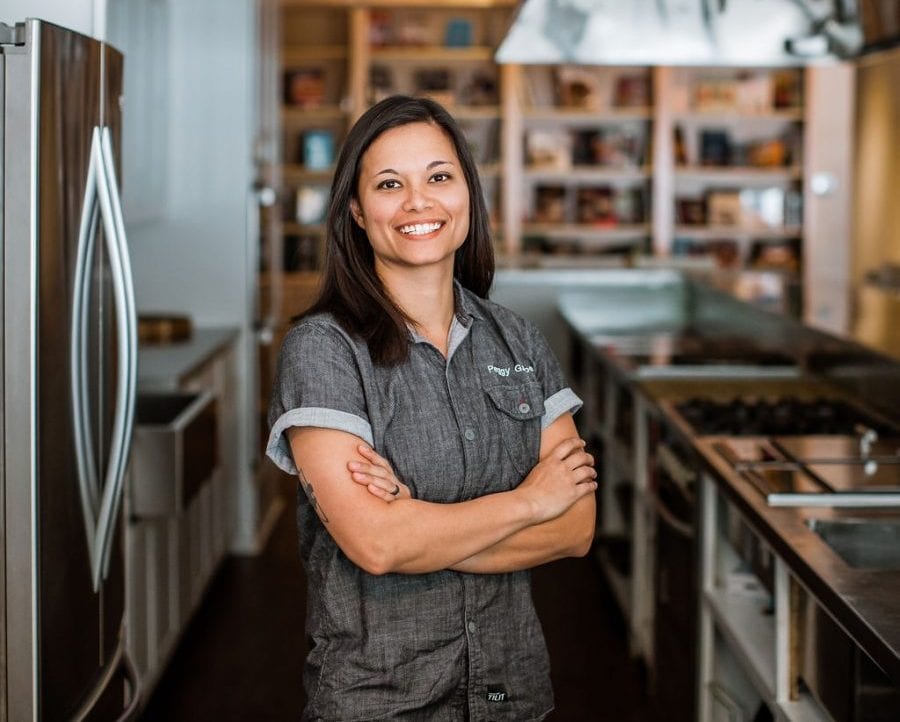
column 67, row 378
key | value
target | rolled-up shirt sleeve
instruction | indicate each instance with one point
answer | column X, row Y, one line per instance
column 559, row 398
column 317, row 383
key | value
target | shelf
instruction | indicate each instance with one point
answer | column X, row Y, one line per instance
column 738, row 174
column 479, row 53
column 705, row 116
column 708, row 232
column 567, row 260
column 588, row 173
column 291, row 116
column 292, row 172
column 804, row 709
column 749, row 632
column 300, row 54
column 308, row 228
column 584, row 115
column 589, row 235
column 475, row 112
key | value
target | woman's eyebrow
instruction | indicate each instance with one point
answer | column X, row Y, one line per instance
column 391, row 171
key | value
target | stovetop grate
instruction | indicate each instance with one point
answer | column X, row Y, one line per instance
column 784, row 416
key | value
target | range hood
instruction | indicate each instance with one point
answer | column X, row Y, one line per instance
column 684, row 32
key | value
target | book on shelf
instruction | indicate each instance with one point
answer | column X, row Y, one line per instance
column 305, row 87
column 549, row 204
column 715, row 147
column 310, row 204
column 548, row 148
column 690, row 211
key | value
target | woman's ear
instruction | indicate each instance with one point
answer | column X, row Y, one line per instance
column 356, row 212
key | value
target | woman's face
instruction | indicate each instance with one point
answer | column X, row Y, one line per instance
column 413, row 200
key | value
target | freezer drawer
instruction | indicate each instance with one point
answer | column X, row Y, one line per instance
column 175, row 451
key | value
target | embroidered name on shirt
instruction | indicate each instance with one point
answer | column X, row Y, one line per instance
column 497, row 694
column 518, row 368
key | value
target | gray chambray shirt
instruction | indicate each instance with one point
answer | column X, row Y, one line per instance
column 444, row 645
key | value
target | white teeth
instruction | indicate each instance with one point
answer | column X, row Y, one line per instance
column 419, row 229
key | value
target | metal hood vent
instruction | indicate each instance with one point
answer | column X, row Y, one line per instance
column 683, row 32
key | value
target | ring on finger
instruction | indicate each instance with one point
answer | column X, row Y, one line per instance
column 395, row 491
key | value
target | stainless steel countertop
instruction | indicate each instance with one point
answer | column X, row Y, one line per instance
column 163, row 367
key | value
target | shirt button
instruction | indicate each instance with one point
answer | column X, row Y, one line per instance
column 524, row 408
column 469, row 434
column 471, row 626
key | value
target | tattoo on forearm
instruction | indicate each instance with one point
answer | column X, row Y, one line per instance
column 310, row 494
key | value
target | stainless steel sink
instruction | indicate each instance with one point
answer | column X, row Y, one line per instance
column 862, row 543
column 175, row 451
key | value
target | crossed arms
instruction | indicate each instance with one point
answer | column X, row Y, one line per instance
column 550, row 515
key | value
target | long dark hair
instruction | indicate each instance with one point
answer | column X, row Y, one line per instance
column 350, row 289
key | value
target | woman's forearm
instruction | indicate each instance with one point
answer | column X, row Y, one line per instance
column 568, row 535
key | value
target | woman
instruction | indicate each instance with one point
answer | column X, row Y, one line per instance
column 432, row 434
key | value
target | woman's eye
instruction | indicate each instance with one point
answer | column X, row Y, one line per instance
column 441, row 177
column 389, row 184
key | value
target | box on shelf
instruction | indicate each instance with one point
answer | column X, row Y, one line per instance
column 594, row 206
column 632, row 91
column 317, row 149
column 611, row 146
column 435, row 83
column 458, row 33
column 548, row 148
column 305, row 87
column 549, row 204
column 723, row 207
column 310, row 204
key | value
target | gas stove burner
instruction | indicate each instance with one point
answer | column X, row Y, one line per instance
column 784, row 416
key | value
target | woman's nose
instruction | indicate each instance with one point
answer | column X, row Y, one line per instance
column 417, row 199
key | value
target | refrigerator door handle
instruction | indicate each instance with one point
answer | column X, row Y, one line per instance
column 100, row 505
column 86, row 464
column 126, row 319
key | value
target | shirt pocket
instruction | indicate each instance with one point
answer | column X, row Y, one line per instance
column 518, row 411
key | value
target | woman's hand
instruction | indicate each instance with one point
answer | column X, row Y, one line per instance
column 560, row 479
column 377, row 476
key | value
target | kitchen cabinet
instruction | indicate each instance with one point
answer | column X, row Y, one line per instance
column 748, row 616
column 172, row 557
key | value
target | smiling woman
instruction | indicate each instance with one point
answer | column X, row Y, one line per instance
column 431, row 432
